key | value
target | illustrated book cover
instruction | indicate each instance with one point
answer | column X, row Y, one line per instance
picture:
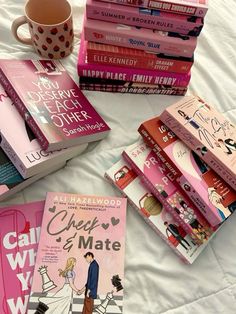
column 123, row 177
column 19, row 236
column 80, row 259
column 207, row 132
column 51, row 103
column 209, row 192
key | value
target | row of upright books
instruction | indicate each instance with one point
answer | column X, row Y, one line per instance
column 180, row 175
column 44, row 121
column 139, row 46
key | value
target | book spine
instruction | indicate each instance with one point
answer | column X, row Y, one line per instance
column 132, row 90
column 147, row 18
column 23, row 110
column 148, row 221
column 167, row 6
column 126, row 36
column 121, row 56
column 212, row 160
column 161, row 198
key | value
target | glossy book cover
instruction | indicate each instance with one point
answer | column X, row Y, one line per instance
column 80, row 260
column 19, row 237
column 51, row 103
column 208, row 191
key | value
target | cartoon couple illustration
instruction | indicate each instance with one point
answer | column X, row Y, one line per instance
column 62, row 300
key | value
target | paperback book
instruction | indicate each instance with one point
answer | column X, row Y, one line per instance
column 19, row 237
column 207, row 132
column 152, row 211
column 208, row 191
column 160, row 181
column 22, row 147
column 80, row 259
column 51, row 103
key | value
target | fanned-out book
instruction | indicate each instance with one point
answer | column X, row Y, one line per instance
column 51, row 103
column 21, row 146
column 80, row 259
column 153, row 212
column 209, row 192
column 12, row 182
column 207, row 132
column 19, row 237
column 161, row 182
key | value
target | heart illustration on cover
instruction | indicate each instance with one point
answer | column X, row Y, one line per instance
column 52, row 209
column 58, row 239
column 105, row 226
column 114, row 221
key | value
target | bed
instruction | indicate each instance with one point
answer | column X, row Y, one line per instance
column 156, row 281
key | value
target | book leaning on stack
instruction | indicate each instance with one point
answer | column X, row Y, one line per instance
column 139, row 47
column 191, row 177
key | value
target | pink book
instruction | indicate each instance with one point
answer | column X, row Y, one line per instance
column 22, row 147
column 110, row 72
column 187, row 7
column 173, row 44
column 19, row 234
column 51, row 103
column 199, row 181
column 207, row 132
column 143, row 17
column 80, row 256
column 162, row 184
column 153, row 212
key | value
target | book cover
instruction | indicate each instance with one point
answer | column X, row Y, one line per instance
column 126, row 74
column 170, row 43
column 207, row 132
column 19, row 235
column 12, row 182
column 22, row 147
column 208, row 191
column 187, row 7
column 152, row 211
column 142, row 17
column 51, row 103
column 135, row 58
column 162, row 184
column 80, row 259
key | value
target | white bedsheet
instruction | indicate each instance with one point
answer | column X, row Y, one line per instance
column 156, row 281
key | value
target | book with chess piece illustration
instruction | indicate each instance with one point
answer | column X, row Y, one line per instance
column 80, row 259
column 19, row 237
column 51, row 103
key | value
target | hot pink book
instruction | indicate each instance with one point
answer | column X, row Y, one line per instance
column 202, row 184
column 173, row 44
column 51, row 103
column 19, row 235
column 80, row 256
column 153, row 212
column 187, row 7
column 207, row 132
column 22, row 147
column 110, row 72
column 162, row 184
column 147, row 18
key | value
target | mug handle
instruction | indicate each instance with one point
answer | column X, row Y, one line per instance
column 14, row 28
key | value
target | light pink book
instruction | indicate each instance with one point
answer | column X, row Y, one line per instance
column 143, row 17
column 202, row 184
column 80, row 254
column 187, row 7
column 207, row 132
column 168, row 43
column 51, row 103
column 110, row 72
column 152, row 211
column 19, row 235
column 161, row 182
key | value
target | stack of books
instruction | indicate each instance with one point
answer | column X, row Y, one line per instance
column 44, row 121
column 144, row 47
column 180, row 175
